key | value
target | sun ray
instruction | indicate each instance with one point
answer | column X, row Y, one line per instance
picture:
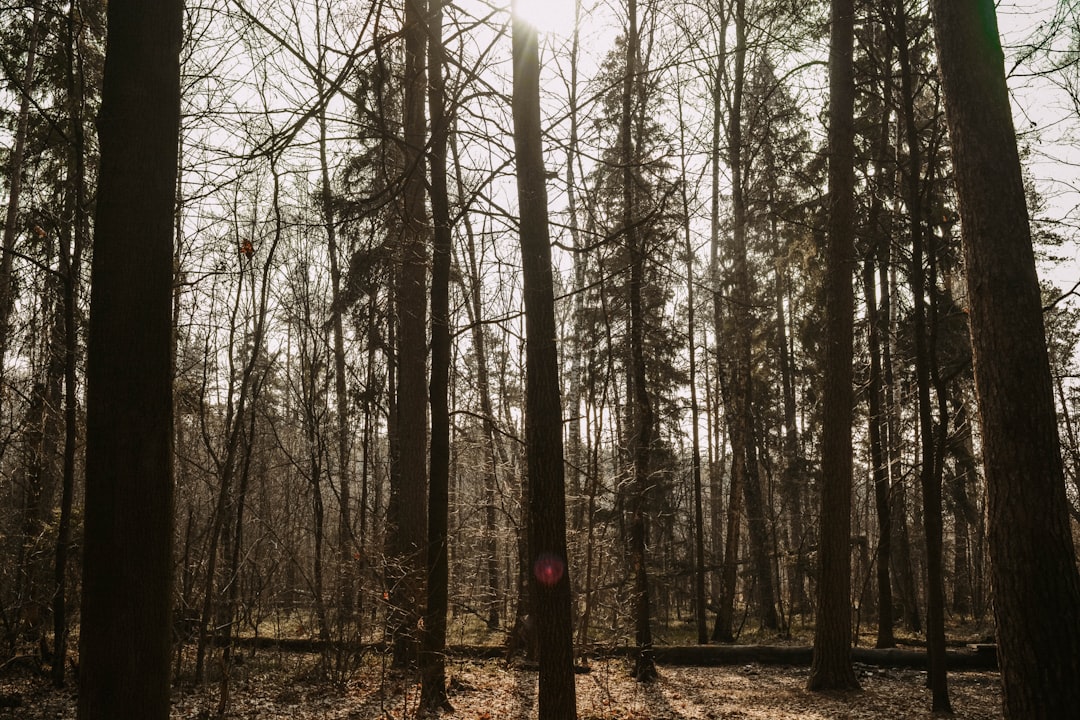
column 548, row 16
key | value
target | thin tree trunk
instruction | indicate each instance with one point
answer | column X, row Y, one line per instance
column 742, row 382
column 641, row 422
column 877, row 326
column 931, row 487
column 346, row 570
column 71, row 267
column 701, row 621
column 433, row 653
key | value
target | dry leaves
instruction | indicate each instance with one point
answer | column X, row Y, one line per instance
column 490, row 691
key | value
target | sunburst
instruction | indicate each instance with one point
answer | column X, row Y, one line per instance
column 547, row 16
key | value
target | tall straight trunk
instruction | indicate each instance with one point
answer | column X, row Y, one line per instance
column 931, row 485
column 879, row 466
column 742, row 383
column 723, row 630
column 550, row 576
column 700, row 620
column 71, row 248
column 877, row 326
column 495, row 453
column 346, row 570
column 642, row 421
column 792, row 474
column 407, row 512
column 125, row 640
column 902, row 571
column 433, row 652
column 575, row 381
column 964, row 516
column 831, row 667
column 1035, row 579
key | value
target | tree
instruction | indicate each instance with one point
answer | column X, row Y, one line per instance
column 929, row 478
column 550, row 577
column 831, row 668
column 407, row 511
column 1035, row 579
column 643, row 421
column 433, row 664
column 125, row 640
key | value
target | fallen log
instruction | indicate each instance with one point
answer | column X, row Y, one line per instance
column 981, row 658
column 711, row 655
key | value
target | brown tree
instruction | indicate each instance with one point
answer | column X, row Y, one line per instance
column 125, row 640
column 432, row 655
column 1035, row 578
column 550, row 577
column 407, row 509
column 831, row 668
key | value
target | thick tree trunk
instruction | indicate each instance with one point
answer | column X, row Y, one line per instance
column 831, row 668
column 1035, row 578
column 550, row 576
column 125, row 640
column 408, row 505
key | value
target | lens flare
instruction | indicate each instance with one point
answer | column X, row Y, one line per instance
column 549, row 569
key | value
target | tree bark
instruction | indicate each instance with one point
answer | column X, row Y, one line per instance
column 433, row 653
column 742, row 381
column 1035, row 578
column 71, row 249
column 928, row 476
column 125, row 641
column 831, row 668
column 407, row 512
column 642, row 420
column 550, row 577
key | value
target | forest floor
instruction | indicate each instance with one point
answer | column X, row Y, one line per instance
column 278, row 685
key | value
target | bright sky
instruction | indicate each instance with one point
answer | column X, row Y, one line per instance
column 548, row 16
column 1047, row 126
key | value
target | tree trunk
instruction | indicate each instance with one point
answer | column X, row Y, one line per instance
column 877, row 325
column 126, row 640
column 831, row 668
column 71, row 248
column 700, row 619
column 642, row 421
column 742, row 381
column 407, row 513
column 433, row 653
column 346, row 566
column 928, row 477
column 550, row 576
column 1035, row 578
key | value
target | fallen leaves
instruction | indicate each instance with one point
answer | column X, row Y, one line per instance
column 491, row 691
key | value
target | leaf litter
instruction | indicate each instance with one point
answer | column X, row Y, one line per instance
column 490, row 690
